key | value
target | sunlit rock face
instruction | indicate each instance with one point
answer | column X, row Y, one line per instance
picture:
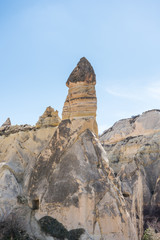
column 49, row 118
column 132, row 147
column 81, row 101
column 74, row 184
column 19, row 148
column 56, row 181
column 71, row 179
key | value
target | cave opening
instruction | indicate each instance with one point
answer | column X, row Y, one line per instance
column 35, row 204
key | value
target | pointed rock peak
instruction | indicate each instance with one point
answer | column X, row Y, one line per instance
column 83, row 72
column 49, row 112
column 49, row 118
column 7, row 123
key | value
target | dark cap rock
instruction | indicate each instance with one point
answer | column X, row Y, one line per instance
column 83, row 72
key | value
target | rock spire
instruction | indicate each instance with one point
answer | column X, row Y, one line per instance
column 81, row 101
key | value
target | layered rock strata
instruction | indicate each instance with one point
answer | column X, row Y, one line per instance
column 49, row 118
column 81, row 101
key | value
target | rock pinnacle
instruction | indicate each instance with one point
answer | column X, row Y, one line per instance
column 83, row 72
column 7, row 123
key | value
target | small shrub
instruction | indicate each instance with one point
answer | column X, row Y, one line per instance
column 148, row 234
column 52, row 227
column 10, row 231
column 75, row 234
column 56, row 229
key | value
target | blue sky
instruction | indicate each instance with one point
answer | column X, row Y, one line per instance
column 42, row 41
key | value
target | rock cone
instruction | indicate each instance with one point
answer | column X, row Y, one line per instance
column 72, row 179
column 7, row 123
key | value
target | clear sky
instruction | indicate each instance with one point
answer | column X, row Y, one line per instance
column 41, row 42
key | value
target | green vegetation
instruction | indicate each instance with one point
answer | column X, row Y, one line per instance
column 49, row 225
column 10, row 231
column 150, row 234
column 52, row 227
column 75, row 234
column 15, row 234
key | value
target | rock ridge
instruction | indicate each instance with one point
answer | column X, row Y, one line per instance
column 136, row 142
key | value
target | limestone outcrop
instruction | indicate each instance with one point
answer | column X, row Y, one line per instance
column 49, row 118
column 136, row 142
column 81, row 101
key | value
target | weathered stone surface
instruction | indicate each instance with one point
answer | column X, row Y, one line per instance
column 49, row 118
column 18, row 153
column 83, row 72
column 131, row 180
column 81, row 101
column 73, row 182
column 145, row 124
column 6, row 123
column 7, row 130
column 137, row 140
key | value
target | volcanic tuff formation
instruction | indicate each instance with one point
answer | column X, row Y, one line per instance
column 133, row 144
column 55, row 178
column 81, row 101
column 49, row 118
column 71, row 179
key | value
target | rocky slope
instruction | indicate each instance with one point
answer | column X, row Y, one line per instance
column 134, row 143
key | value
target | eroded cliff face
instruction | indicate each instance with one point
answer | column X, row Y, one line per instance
column 18, row 153
column 77, row 186
column 135, row 143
